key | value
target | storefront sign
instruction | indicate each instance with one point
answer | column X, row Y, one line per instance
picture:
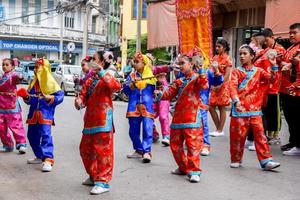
column 28, row 46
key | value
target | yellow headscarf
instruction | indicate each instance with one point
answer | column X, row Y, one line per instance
column 44, row 76
column 147, row 73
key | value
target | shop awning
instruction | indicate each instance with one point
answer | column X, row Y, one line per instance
column 280, row 14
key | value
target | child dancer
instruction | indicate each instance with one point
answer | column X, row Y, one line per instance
column 162, row 108
column 247, row 96
column 186, row 123
column 140, row 107
column 215, row 78
column 44, row 95
column 219, row 96
column 96, row 147
column 10, row 110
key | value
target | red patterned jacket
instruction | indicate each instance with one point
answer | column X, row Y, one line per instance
column 187, row 109
column 96, row 95
column 285, row 80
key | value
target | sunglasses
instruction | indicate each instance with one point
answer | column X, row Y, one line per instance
column 4, row 64
column 82, row 65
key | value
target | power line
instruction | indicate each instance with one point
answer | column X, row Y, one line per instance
column 59, row 9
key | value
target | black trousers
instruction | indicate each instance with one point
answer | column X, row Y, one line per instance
column 291, row 111
column 272, row 113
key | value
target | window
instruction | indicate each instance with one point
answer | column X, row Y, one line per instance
column 94, row 24
column 38, row 9
column 69, row 20
column 12, row 7
column 50, row 4
column 25, row 9
column 144, row 9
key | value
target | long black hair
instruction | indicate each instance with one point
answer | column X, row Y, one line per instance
column 224, row 43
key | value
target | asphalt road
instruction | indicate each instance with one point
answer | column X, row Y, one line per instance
column 133, row 180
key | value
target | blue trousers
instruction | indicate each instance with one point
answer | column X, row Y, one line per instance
column 143, row 146
column 204, row 119
column 40, row 140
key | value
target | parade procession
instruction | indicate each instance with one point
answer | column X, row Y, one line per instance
column 150, row 99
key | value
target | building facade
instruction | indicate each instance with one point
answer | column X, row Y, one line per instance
column 31, row 28
column 129, row 24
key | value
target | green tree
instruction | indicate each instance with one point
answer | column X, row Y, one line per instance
column 160, row 54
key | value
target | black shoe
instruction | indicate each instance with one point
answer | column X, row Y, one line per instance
column 287, row 147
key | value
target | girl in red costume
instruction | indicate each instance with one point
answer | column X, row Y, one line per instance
column 96, row 147
column 219, row 96
column 246, row 93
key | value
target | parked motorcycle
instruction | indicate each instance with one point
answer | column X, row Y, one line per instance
column 121, row 94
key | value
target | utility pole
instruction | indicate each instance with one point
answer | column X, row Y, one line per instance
column 86, row 29
column 139, row 27
column 61, row 42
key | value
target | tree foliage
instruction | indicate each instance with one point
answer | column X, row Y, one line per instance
column 160, row 54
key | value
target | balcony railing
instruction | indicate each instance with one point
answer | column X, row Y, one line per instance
column 48, row 33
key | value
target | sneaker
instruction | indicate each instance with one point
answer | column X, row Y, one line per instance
column 211, row 133
column 194, row 178
column 6, row 149
column 271, row 165
column 147, row 158
column 135, row 155
column 292, row 152
column 274, row 141
column 217, row 134
column 22, row 149
column 100, row 188
column 88, row 182
column 205, row 151
column 166, row 141
column 34, row 161
column 235, row 165
column 248, row 143
column 46, row 166
column 252, row 148
column 287, row 147
column 177, row 172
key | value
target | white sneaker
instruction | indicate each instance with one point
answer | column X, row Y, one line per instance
column 271, row 165
column 98, row 190
column 147, row 158
column 88, row 182
column 252, row 148
column 46, row 166
column 205, row 152
column 135, row 155
column 292, row 152
column 248, row 143
column 177, row 171
column 22, row 150
column 194, row 178
column 34, row 161
column 212, row 133
column 217, row 134
column 166, row 141
column 235, row 165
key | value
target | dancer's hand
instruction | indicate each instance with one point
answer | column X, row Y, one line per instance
column 78, row 103
column 48, row 97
